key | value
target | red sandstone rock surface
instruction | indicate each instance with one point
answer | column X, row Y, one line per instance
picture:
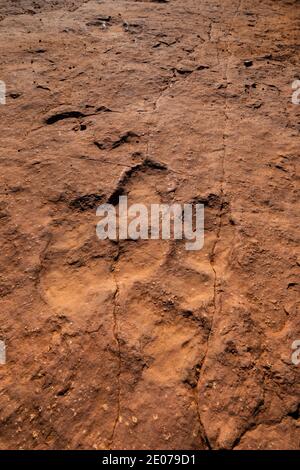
column 142, row 344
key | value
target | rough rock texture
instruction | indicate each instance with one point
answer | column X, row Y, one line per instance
column 143, row 344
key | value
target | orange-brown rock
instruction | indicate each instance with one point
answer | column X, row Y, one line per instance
column 142, row 344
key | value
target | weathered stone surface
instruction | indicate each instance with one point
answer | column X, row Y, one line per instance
column 143, row 344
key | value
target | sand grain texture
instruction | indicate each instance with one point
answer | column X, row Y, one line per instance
column 143, row 344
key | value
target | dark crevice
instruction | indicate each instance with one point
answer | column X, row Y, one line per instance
column 295, row 414
column 86, row 202
column 75, row 115
column 66, row 115
column 126, row 138
column 119, row 190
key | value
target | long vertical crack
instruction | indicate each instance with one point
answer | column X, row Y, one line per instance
column 118, row 345
column 212, row 258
